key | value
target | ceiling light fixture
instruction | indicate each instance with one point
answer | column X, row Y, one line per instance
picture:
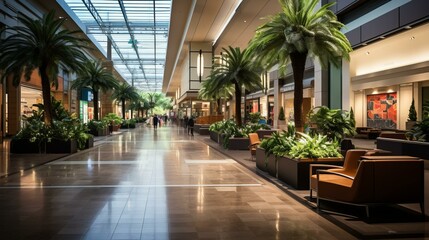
column 200, row 64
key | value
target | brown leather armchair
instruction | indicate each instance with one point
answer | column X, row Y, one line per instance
column 375, row 182
column 254, row 143
column 351, row 163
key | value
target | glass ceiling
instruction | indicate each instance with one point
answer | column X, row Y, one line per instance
column 138, row 31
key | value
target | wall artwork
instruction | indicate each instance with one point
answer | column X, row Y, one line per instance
column 381, row 110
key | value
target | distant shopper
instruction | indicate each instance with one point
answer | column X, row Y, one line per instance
column 155, row 121
column 185, row 121
column 191, row 126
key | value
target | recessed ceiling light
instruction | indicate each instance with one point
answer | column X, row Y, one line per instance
column 244, row 21
column 367, row 53
column 412, row 38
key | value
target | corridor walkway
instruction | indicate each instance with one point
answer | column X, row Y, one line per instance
column 152, row 184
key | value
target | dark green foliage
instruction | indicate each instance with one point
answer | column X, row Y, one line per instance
column 301, row 29
column 282, row 114
column 420, row 131
column 412, row 113
column 334, row 123
column 40, row 45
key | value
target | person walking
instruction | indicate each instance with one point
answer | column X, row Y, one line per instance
column 185, row 121
column 191, row 126
column 155, row 121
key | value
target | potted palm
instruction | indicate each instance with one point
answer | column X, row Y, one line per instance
column 40, row 45
column 113, row 120
column 124, row 92
column 235, row 69
column 97, row 78
column 300, row 30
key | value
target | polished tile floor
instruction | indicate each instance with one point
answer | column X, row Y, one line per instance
column 152, row 184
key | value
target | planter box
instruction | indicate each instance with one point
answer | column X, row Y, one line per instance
column 60, row 146
column 25, row 146
column 238, row 143
column 100, row 132
column 204, row 131
column 89, row 143
column 262, row 133
column 266, row 164
column 214, row 136
column 197, row 127
column 404, row 147
column 296, row 172
column 260, row 159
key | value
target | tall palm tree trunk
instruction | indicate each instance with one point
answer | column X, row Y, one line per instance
column 298, row 66
column 46, row 92
column 219, row 107
column 95, row 92
column 238, row 104
column 123, row 108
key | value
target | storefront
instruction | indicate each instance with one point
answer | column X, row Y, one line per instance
column 387, row 75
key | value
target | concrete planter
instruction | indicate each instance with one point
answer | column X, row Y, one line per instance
column 100, row 132
column 296, row 172
column 204, row 131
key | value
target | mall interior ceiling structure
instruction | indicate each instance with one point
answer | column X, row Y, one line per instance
column 136, row 32
column 148, row 49
column 222, row 22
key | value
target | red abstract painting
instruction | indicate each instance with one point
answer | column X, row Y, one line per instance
column 382, row 110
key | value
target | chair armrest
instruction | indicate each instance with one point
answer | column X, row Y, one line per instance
column 315, row 167
column 334, row 173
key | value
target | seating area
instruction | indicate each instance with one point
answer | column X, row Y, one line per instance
column 374, row 182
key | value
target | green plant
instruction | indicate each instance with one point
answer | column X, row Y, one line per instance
column 301, row 29
column 234, row 68
column 318, row 146
column 128, row 123
column 96, row 77
column 352, row 118
column 282, row 114
column 124, row 92
column 255, row 117
column 40, row 45
column 112, row 118
column 334, row 123
column 412, row 113
column 420, row 131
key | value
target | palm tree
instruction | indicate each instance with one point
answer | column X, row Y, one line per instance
column 207, row 93
column 235, row 68
column 124, row 93
column 96, row 77
column 158, row 100
column 40, row 44
column 295, row 33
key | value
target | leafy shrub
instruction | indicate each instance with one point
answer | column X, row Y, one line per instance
column 112, row 118
column 420, row 131
column 334, row 123
column 318, row 146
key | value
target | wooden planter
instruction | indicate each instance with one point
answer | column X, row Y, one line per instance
column 60, row 146
column 296, row 172
column 25, row 146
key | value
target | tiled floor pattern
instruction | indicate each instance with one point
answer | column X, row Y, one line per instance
column 147, row 184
